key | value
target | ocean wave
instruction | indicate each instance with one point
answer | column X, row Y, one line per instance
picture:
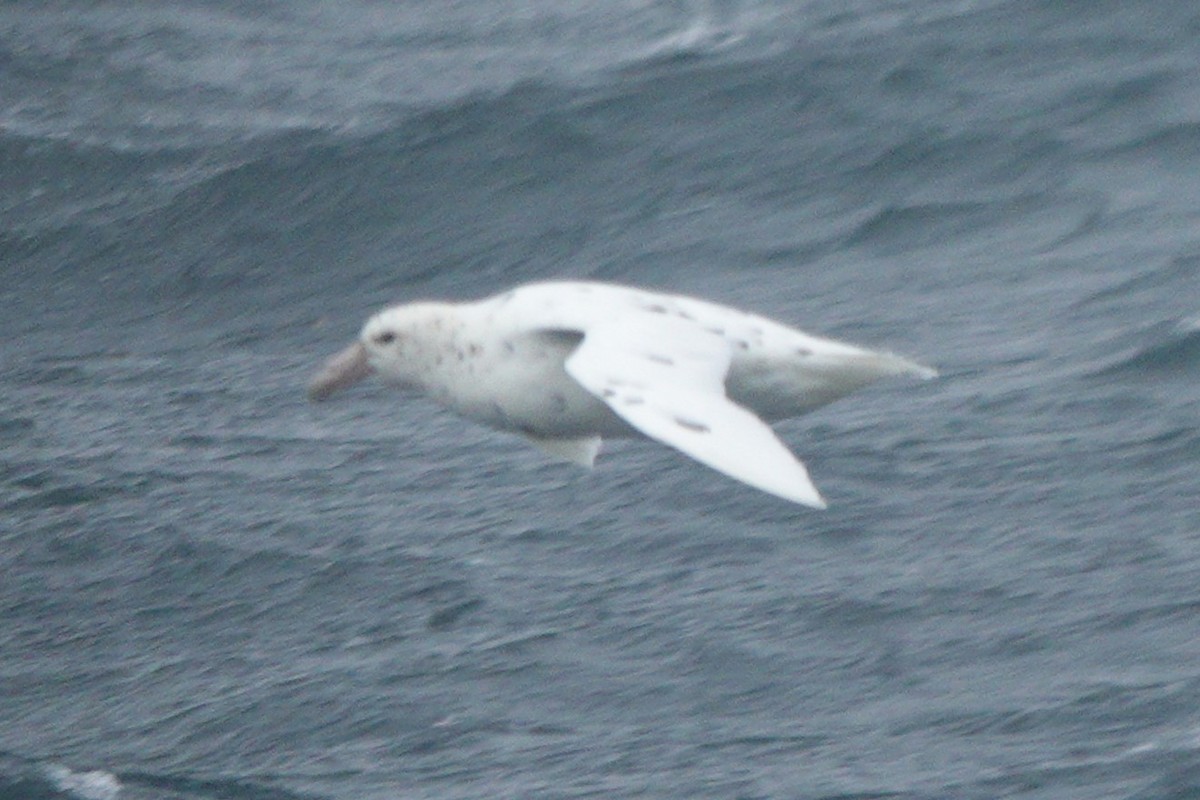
column 22, row 778
column 114, row 77
column 1168, row 350
column 90, row 785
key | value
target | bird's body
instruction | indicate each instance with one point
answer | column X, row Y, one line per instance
column 567, row 363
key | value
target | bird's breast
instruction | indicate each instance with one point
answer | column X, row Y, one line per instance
column 519, row 385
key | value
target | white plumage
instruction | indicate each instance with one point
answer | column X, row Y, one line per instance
column 568, row 363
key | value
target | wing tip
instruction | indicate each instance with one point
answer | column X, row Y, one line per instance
column 805, row 496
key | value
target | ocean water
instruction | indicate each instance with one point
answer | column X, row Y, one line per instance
column 210, row 588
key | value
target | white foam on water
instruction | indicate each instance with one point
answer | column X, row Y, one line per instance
column 91, row 785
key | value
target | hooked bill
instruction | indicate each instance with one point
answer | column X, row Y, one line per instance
column 342, row 370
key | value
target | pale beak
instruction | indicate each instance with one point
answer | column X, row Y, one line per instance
column 345, row 369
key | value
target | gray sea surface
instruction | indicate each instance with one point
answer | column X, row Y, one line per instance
column 212, row 589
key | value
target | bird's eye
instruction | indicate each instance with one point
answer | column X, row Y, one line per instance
column 385, row 338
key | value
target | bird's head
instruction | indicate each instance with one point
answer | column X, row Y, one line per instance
column 386, row 346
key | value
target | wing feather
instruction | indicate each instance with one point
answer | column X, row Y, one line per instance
column 665, row 376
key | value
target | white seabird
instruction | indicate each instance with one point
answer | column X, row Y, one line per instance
column 567, row 363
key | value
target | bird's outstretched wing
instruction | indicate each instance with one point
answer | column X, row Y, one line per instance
column 665, row 376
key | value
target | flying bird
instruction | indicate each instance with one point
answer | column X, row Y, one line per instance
column 565, row 364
